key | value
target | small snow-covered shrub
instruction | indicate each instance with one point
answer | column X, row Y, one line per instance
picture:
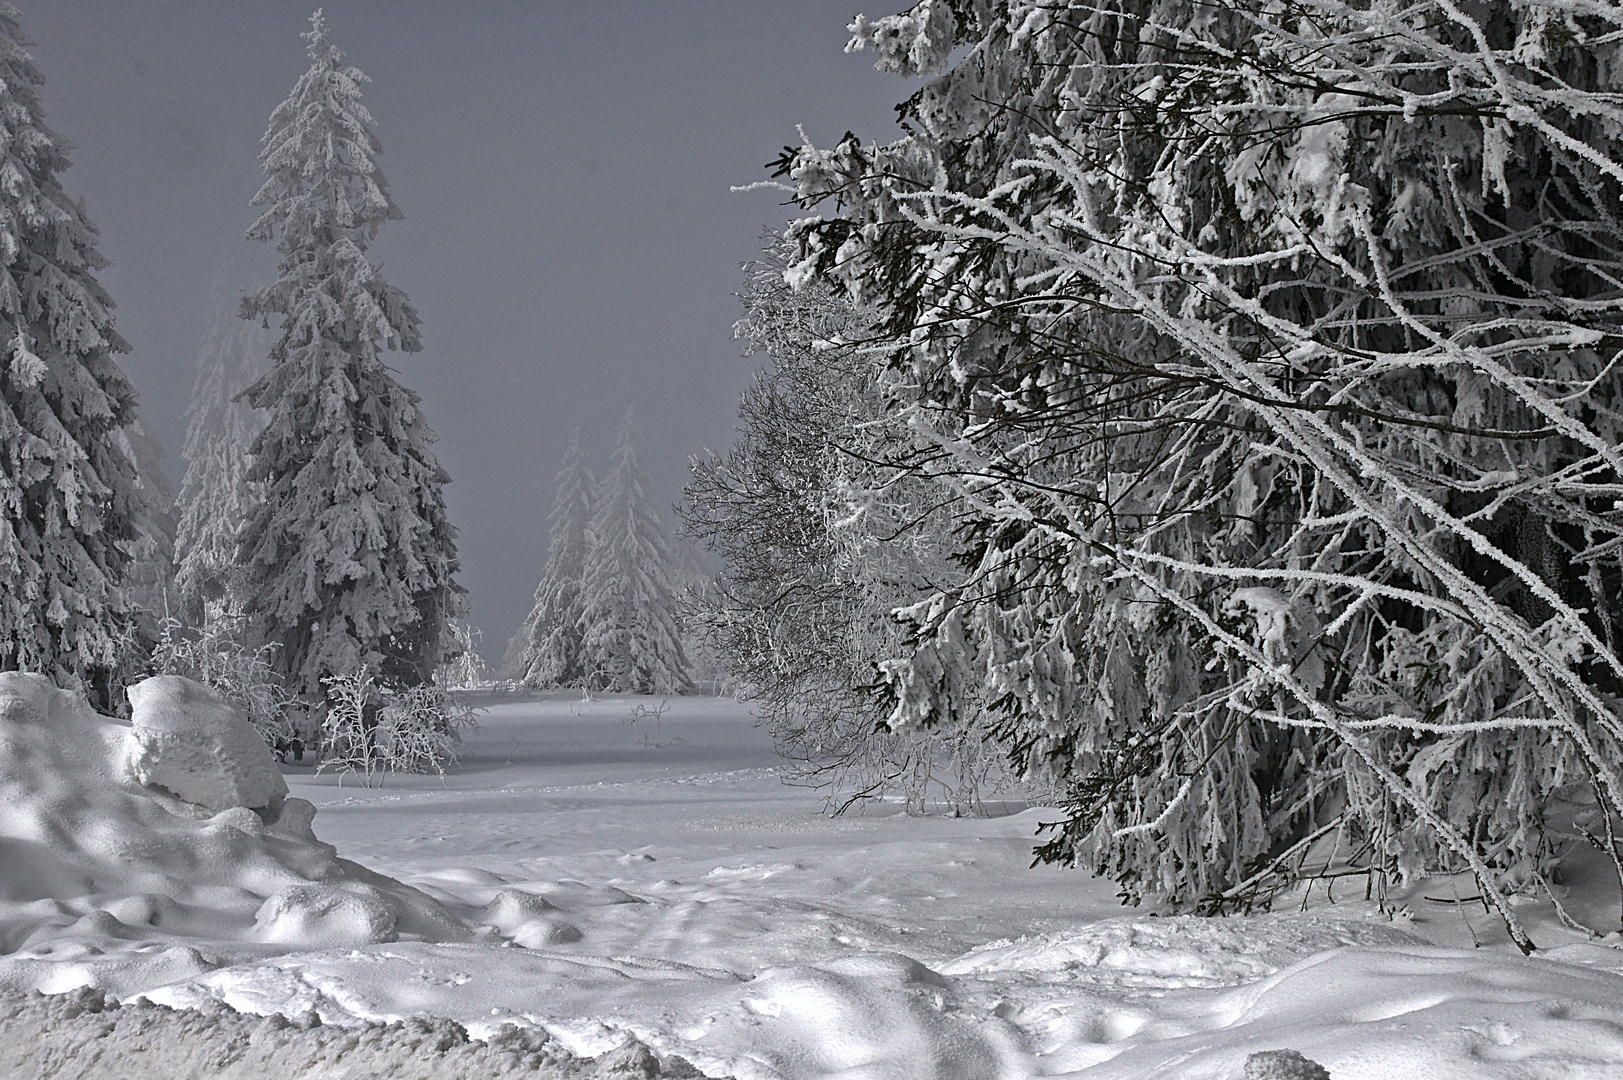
column 371, row 729
column 214, row 656
column 347, row 729
column 420, row 728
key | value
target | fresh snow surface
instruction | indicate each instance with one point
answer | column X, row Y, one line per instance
column 583, row 879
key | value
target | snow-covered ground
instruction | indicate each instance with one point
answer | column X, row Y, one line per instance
column 598, row 879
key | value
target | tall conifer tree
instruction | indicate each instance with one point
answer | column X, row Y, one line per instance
column 630, row 635
column 348, row 556
column 215, row 496
column 69, row 494
column 552, row 633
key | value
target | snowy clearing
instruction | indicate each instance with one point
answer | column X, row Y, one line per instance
column 582, row 880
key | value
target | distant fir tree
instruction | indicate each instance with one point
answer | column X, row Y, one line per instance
column 347, row 556
column 553, row 654
column 220, row 427
column 149, row 581
column 69, row 491
column 631, row 639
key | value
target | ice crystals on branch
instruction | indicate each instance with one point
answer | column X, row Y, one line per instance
column 916, row 42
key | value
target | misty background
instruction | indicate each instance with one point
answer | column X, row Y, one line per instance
column 570, row 239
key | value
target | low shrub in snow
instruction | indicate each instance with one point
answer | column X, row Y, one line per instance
column 214, row 656
column 371, row 729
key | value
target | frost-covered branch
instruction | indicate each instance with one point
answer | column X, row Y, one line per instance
column 1266, row 358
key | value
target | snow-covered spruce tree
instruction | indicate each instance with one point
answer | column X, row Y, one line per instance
column 552, row 633
column 204, row 639
column 220, row 427
column 1270, row 355
column 69, row 493
column 801, row 615
column 347, row 555
column 630, row 640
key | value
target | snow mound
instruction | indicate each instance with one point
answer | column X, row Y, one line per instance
column 530, row 920
column 511, row 908
column 1172, row 952
column 102, row 875
column 190, row 741
column 543, row 933
column 880, row 1015
column 1282, row 1065
column 326, row 916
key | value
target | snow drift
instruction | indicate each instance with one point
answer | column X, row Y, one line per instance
column 176, row 827
column 750, row 938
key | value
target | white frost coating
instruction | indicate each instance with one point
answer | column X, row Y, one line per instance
column 1273, row 614
column 916, row 42
column 192, row 742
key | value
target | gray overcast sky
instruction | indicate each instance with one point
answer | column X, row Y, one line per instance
column 564, row 167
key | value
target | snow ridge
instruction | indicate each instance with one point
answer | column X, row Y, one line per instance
column 86, row 1035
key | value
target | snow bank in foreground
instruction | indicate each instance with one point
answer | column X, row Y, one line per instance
column 678, row 898
column 1374, row 1014
column 171, row 832
column 83, row 1036
column 1172, row 953
column 1124, row 999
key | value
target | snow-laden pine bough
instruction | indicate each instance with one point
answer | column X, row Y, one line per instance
column 1272, row 355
